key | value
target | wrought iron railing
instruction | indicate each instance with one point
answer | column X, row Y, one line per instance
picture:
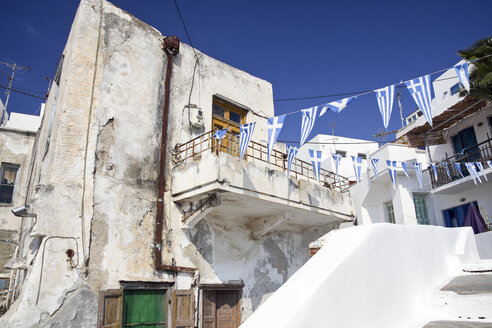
column 479, row 153
column 194, row 148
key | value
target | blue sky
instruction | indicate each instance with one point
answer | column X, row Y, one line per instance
column 304, row 49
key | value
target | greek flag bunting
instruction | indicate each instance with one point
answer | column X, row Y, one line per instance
column 374, row 162
column 337, row 106
column 462, row 72
column 245, row 133
column 418, row 172
column 316, row 157
column 219, row 134
column 336, row 159
column 357, row 163
column 420, row 89
column 473, row 172
column 446, row 168
column 275, row 124
column 404, row 167
column 480, row 167
column 458, row 168
column 385, row 98
column 392, row 171
column 434, row 169
column 291, row 155
column 489, row 163
column 308, row 118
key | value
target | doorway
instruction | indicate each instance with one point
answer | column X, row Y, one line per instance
column 220, row 308
column 454, row 217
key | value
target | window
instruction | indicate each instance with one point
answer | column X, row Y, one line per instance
column 143, row 307
column 4, row 283
column 420, row 204
column 225, row 115
column 341, row 152
column 389, row 212
column 8, row 175
column 361, row 155
column 455, row 88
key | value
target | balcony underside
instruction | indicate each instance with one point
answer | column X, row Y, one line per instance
column 223, row 187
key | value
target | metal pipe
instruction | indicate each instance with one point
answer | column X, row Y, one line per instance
column 170, row 45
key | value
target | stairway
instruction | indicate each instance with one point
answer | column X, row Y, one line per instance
column 465, row 301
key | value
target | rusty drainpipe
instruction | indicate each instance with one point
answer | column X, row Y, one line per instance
column 170, row 45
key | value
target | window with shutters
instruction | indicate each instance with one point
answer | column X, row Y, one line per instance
column 220, row 308
column 389, row 212
column 8, row 176
column 146, row 307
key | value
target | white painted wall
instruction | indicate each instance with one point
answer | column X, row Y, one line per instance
column 332, row 144
column 484, row 245
column 369, row 276
column 25, row 122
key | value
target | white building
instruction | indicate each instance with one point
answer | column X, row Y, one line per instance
column 461, row 133
column 346, row 147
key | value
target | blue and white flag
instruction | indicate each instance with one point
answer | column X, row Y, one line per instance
column 357, row 163
column 480, row 167
column 473, row 172
column 245, row 133
column 336, row 159
column 392, row 171
column 337, row 106
column 489, row 163
column 308, row 118
column 316, row 157
column 291, row 155
column 462, row 72
column 418, row 172
column 446, row 168
column 374, row 162
column 275, row 124
column 404, row 167
column 434, row 169
column 385, row 98
column 219, row 134
column 458, row 167
column 420, row 89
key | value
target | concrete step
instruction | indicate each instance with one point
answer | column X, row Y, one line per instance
column 458, row 324
column 465, row 299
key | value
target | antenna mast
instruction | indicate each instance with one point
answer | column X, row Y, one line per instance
column 13, row 67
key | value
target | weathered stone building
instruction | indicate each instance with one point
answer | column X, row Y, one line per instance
column 15, row 158
column 140, row 215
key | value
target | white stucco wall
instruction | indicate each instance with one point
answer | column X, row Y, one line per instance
column 332, row 144
column 369, row 276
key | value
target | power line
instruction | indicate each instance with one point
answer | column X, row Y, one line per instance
column 360, row 93
column 184, row 26
column 21, row 92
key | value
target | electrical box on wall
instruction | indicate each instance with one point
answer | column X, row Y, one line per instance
column 196, row 116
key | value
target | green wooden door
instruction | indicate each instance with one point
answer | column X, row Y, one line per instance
column 421, row 209
column 144, row 308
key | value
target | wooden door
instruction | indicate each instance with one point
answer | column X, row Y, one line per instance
column 226, row 116
column 220, row 309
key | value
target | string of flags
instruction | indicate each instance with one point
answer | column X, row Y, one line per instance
column 420, row 90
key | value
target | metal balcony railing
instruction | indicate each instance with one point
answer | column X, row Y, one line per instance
column 256, row 152
column 479, row 153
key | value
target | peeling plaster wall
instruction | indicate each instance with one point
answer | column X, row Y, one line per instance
column 104, row 120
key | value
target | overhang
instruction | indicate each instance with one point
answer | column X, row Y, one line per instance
column 426, row 135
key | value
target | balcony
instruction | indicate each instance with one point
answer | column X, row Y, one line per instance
column 479, row 153
column 209, row 179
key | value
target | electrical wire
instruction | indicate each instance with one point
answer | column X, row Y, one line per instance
column 184, row 26
column 364, row 92
column 21, row 92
